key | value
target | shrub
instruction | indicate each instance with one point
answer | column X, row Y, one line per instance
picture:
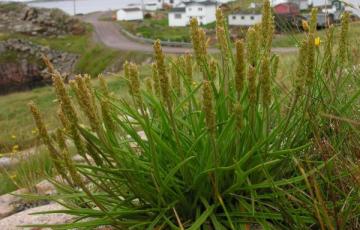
column 225, row 152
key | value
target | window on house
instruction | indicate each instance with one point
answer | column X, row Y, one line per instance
column 201, row 17
column 243, row 17
column 200, row 9
column 190, row 9
column 171, row 1
column 234, row 17
column 252, row 17
column 178, row 16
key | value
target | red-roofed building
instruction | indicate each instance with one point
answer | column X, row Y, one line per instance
column 287, row 8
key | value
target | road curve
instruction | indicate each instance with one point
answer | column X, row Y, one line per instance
column 108, row 33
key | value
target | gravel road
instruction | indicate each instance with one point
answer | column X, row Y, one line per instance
column 108, row 33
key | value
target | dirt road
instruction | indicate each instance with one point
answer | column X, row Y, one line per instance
column 108, row 33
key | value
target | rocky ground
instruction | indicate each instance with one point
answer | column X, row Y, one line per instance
column 16, row 210
column 19, row 18
column 21, row 65
column 22, row 68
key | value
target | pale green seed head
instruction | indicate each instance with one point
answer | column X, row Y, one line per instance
column 240, row 66
column 208, row 107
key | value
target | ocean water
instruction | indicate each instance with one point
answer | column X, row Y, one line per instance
column 81, row 6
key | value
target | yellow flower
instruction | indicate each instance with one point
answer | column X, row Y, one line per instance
column 34, row 131
column 317, row 41
column 13, row 176
column 305, row 25
column 13, row 136
column 15, row 148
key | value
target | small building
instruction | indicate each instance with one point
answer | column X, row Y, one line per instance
column 287, row 8
column 129, row 14
column 320, row 3
column 204, row 12
column 177, row 17
column 244, row 18
column 173, row 3
column 224, row 1
column 353, row 6
column 303, row 4
column 153, row 5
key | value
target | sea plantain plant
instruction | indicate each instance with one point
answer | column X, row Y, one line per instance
column 215, row 143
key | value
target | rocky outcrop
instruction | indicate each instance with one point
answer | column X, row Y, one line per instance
column 15, row 17
column 21, row 65
column 14, row 222
column 20, row 75
column 14, row 203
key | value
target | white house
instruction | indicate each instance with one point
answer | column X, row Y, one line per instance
column 153, row 5
column 353, row 6
column 129, row 14
column 242, row 18
column 173, row 3
column 204, row 11
column 224, row 1
column 350, row 5
column 303, row 4
column 320, row 3
column 177, row 17
column 180, row 3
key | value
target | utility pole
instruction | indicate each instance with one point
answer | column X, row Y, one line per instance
column 74, row 5
column 142, row 7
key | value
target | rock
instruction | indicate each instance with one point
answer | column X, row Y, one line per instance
column 29, row 14
column 6, row 210
column 10, row 204
column 34, row 21
column 7, row 202
column 30, row 72
column 77, row 28
column 25, row 218
column 19, row 75
column 2, row 48
column 8, row 162
column 45, row 188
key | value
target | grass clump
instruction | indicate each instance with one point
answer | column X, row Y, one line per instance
column 230, row 149
column 33, row 166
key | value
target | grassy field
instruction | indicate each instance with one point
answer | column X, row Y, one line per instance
column 18, row 129
column 81, row 45
column 93, row 58
column 15, row 122
column 157, row 29
column 17, row 126
column 293, row 38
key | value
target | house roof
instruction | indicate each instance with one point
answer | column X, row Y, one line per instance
column 204, row 3
column 178, row 9
column 131, row 9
